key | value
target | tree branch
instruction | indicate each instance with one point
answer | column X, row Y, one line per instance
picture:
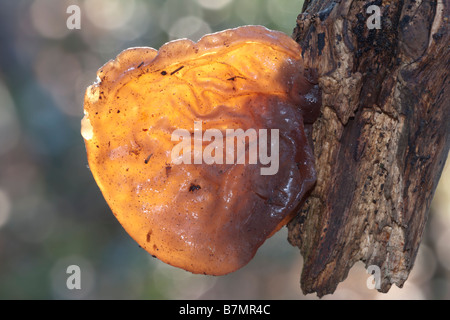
column 381, row 141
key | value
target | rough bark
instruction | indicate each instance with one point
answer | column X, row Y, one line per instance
column 382, row 138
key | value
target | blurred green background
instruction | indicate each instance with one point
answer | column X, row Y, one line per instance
column 52, row 213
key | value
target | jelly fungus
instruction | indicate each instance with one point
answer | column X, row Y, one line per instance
column 205, row 217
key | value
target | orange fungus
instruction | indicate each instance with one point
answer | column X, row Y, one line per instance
column 199, row 148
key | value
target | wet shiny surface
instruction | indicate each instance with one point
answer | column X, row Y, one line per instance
column 205, row 218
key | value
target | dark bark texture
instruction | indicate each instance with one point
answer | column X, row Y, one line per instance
column 381, row 140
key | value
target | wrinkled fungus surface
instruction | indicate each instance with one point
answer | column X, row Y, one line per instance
column 205, row 218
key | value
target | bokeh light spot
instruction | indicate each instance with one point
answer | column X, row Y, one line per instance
column 49, row 18
column 214, row 4
column 9, row 125
column 5, row 208
column 189, row 27
column 109, row 14
column 284, row 13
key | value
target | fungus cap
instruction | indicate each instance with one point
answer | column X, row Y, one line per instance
column 204, row 218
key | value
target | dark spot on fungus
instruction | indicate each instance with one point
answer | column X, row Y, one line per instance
column 175, row 71
column 141, row 64
column 234, row 78
column 148, row 158
column 163, row 73
column 194, row 187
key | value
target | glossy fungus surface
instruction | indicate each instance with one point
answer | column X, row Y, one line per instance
column 204, row 217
